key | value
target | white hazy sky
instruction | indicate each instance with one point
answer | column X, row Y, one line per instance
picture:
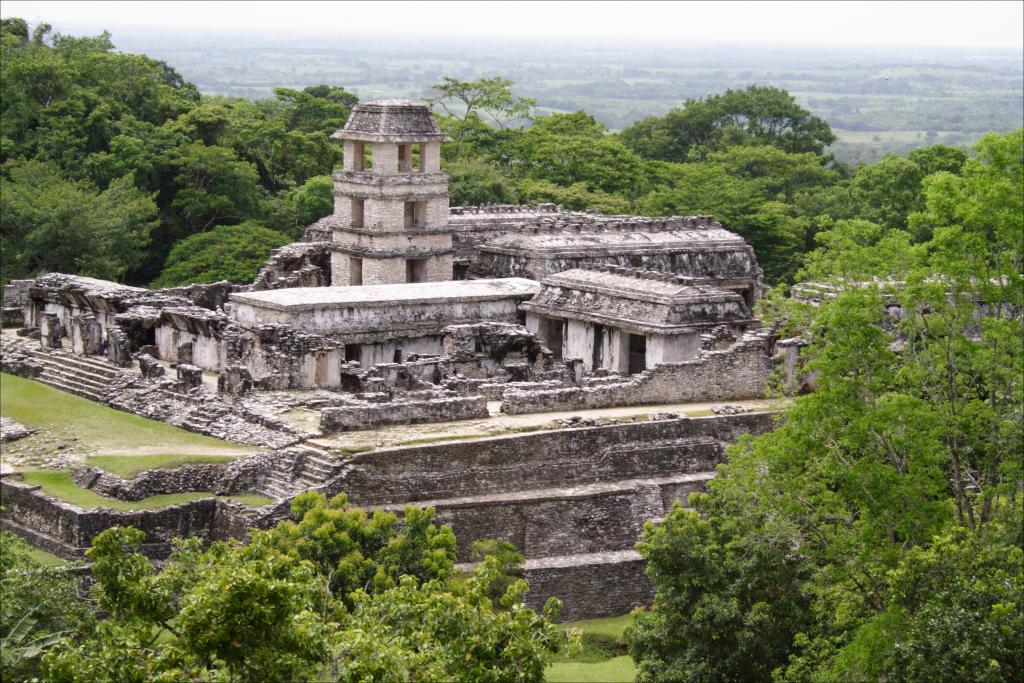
column 951, row 24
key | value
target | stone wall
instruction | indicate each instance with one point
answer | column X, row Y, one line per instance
column 547, row 459
column 572, row 520
column 238, row 476
column 300, row 264
column 348, row 418
column 67, row 530
column 739, row 372
column 591, row 585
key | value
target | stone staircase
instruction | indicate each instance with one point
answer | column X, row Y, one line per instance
column 299, row 469
column 80, row 375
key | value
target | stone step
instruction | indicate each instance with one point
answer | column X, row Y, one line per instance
column 276, row 493
column 64, row 375
column 321, row 470
column 71, row 388
column 321, row 453
column 60, row 372
column 97, row 367
column 303, row 483
column 79, row 375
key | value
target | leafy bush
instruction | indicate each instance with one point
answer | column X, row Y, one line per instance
column 227, row 252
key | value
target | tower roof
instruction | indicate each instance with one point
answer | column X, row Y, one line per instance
column 391, row 121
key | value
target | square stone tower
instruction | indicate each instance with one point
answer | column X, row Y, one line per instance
column 390, row 198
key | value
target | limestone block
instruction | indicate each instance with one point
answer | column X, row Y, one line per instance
column 235, row 380
column 189, row 376
column 151, row 369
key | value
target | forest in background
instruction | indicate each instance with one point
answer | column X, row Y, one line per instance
column 116, row 166
column 877, row 100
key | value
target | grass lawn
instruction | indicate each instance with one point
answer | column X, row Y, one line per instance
column 608, row 627
column 58, row 483
column 45, row 558
column 614, row 670
column 602, row 657
column 99, row 428
column 127, row 466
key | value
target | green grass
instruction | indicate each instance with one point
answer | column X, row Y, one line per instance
column 602, row 656
column 609, row 627
column 127, row 466
column 253, row 500
column 45, row 558
column 98, row 427
column 614, row 670
column 60, row 485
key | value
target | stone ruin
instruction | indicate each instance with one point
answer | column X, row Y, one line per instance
column 365, row 326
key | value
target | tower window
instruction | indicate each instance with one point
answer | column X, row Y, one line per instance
column 358, row 211
column 416, row 270
column 415, row 214
column 355, row 271
column 362, row 156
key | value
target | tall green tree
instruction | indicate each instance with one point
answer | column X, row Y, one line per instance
column 41, row 605
column 757, row 115
column 876, row 533
column 227, row 252
column 49, row 223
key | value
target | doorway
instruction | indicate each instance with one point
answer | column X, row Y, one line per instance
column 637, row 353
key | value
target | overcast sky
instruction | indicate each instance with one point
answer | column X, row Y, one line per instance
column 951, row 24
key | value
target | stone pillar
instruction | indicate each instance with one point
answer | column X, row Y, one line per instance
column 50, row 331
column 118, row 352
column 90, row 334
column 150, row 367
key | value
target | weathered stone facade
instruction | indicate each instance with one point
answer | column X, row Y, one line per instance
column 390, row 198
column 627, row 320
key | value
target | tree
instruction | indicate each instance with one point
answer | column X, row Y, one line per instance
column 938, row 158
column 887, row 192
column 565, row 149
column 474, row 182
column 758, row 115
column 52, row 224
column 317, row 108
column 576, row 197
column 489, row 96
column 781, row 175
column 213, row 187
column 241, row 612
column 365, row 552
column 40, row 606
column 227, row 252
column 428, row 632
column 332, row 593
column 741, row 206
column 886, row 504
